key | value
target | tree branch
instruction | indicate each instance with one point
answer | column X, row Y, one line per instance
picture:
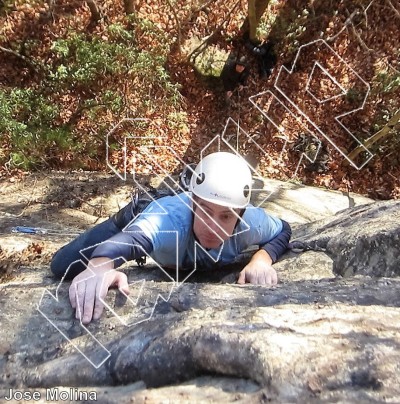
column 346, row 23
column 204, row 44
column 393, row 8
column 79, row 110
column 34, row 66
column 202, row 7
column 363, row 44
column 95, row 11
column 129, row 7
column 381, row 134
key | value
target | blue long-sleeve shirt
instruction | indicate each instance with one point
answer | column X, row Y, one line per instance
column 164, row 231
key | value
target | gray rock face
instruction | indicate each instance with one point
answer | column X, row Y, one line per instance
column 316, row 337
column 362, row 240
column 327, row 339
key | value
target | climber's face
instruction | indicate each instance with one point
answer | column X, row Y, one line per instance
column 212, row 223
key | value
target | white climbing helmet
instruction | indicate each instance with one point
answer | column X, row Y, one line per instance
column 224, row 179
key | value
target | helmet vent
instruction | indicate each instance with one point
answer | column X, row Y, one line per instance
column 246, row 191
column 200, row 178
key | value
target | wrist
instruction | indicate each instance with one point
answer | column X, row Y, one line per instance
column 101, row 264
column 262, row 255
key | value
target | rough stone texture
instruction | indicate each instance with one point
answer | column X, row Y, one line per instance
column 316, row 337
column 323, row 339
column 362, row 240
column 298, row 203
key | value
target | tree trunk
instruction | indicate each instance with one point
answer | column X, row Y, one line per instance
column 95, row 10
column 381, row 134
column 256, row 9
column 252, row 20
column 129, row 7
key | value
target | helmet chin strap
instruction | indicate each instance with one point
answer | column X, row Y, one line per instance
column 241, row 213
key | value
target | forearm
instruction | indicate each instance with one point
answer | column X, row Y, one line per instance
column 127, row 245
column 101, row 263
column 97, row 266
column 263, row 256
column 278, row 246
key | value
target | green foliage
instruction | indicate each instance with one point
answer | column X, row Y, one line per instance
column 267, row 21
column 83, row 62
column 85, row 78
column 210, row 62
column 6, row 6
column 355, row 96
column 289, row 27
column 388, row 82
column 27, row 119
column 295, row 30
column 120, row 34
column 177, row 121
